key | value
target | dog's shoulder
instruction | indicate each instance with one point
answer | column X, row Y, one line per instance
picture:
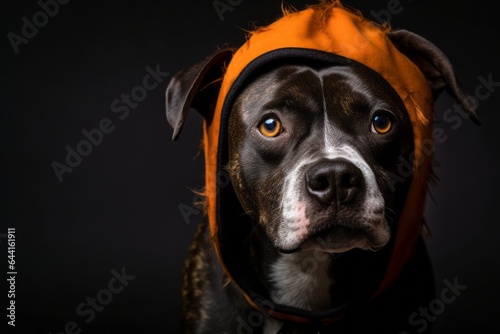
column 211, row 303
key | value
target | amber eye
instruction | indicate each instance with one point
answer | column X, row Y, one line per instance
column 381, row 123
column 270, row 127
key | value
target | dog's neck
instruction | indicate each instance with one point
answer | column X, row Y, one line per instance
column 301, row 279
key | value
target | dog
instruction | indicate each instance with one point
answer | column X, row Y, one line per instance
column 316, row 232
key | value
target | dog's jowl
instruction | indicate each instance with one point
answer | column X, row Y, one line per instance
column 310, row 120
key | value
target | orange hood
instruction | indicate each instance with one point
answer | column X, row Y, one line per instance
column 329, row 28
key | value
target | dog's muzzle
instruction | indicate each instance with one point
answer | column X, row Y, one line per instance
column 337, row 199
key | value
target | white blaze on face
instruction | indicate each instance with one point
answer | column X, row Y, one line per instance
column 374, row 201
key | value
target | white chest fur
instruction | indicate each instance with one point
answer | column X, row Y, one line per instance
column 301, row 280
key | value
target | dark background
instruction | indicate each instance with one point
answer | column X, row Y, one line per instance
column 120, row 206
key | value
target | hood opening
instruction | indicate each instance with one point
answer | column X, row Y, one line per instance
column 234, row 226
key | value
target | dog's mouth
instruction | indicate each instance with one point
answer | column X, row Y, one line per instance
column 339, row 237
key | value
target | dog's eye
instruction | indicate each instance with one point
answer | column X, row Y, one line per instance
column 381, row 123
column 270, row 127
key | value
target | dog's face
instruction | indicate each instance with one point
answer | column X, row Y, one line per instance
column 312, row 152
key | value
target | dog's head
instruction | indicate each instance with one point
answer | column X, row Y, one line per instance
column 313, row 151
column 314, row 146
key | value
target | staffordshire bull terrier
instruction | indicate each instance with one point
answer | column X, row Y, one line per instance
column 317, row 230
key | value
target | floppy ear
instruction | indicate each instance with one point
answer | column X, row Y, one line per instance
column 434, row 65
column 196, row 87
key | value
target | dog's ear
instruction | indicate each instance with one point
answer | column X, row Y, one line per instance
column 435, row 66
column 196, row 87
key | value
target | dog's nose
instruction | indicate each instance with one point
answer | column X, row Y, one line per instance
column 338, row 181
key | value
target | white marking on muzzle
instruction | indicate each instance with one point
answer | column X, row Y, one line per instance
column 295, row 222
